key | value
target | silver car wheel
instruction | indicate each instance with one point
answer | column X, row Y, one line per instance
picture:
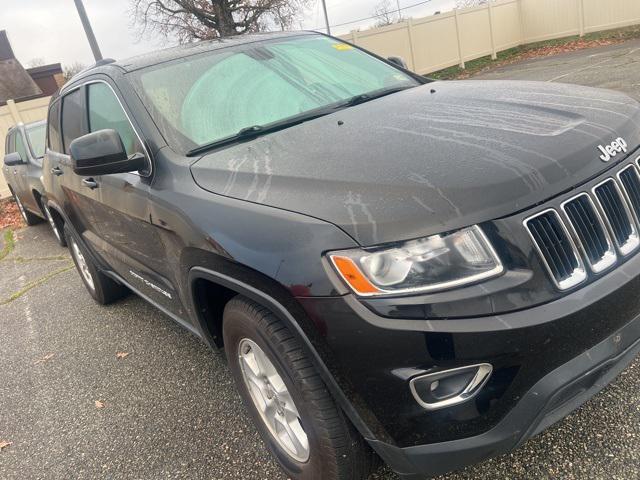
column 82, row 264
column 52, row 223
column 21, row 208
column 273, row 400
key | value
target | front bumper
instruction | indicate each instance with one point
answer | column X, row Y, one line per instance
column 547, row 361
column 548, row 401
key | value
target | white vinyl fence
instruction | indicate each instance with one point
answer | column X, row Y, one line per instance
column 440, row 41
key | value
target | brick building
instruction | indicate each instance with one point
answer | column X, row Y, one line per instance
column 19, row 84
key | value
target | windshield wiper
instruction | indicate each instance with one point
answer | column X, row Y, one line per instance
column 367, row 97
column 358, row 99
column 256, row 131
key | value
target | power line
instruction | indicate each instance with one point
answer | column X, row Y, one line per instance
column 373, row 17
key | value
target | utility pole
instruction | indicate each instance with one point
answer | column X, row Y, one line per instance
column 326, row 16
column 88, row 30
column 399, row 10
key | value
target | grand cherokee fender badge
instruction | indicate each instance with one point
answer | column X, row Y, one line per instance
column 619, row 145
column 153, row 286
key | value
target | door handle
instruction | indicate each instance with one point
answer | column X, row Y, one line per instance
column 90, row 182
column 57, row 171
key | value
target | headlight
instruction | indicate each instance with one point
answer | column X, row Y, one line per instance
column 434, row 263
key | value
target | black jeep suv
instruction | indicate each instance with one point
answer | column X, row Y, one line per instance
column 433, row 271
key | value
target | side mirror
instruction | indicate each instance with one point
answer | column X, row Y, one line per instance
column 103, row 153
column 13, row 159
column 399, row 61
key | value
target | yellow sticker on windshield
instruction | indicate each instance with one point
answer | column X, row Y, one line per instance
column 342, row 47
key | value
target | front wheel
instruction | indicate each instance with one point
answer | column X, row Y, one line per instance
column 62, row 241
column 296, row 416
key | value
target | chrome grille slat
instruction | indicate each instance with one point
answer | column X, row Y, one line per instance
column 617, row 214
column 555, row 246
column 592, row 229
column 630, row 181
column 544, row 230
column 590, row 232
column 620, row 228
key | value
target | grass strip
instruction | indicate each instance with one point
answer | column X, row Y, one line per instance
column 35, row 284
column 39, row 259
column 9, row 244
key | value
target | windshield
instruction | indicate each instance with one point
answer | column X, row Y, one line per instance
column 209, row 97
column 37, row 136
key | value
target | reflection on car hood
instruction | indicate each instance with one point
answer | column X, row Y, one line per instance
column 430, row 159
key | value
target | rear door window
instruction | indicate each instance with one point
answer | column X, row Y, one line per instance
column 11, row 142
column 36, row 136
column 55, row 143
column 21, row 147
column 74, row 118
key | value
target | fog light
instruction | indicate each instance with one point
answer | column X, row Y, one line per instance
column 450, row 387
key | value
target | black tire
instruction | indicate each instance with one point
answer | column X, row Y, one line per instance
column 56, row 227
column 29, row 218
column 103, row 289
column 336, row 450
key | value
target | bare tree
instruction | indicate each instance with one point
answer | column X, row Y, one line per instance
column 385, row 14
column 470, row 3
column 70, row 70
column 36, row 62
column 189, row 20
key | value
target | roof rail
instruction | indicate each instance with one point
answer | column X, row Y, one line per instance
column 104, row 61
column 99, row 63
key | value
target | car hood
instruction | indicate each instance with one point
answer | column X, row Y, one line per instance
column 430, row 159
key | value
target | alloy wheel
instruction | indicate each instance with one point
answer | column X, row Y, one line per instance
column 21, row 208
column 82, row 264
column 273, row 400
column 52, row 223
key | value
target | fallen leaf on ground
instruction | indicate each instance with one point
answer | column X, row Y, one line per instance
column 121, row 355
column 44, row 359
column 10, row 215
column 4, row 444
column 100, row 404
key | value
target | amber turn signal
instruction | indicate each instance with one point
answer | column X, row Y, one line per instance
column 353, row 276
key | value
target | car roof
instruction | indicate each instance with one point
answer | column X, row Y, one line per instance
column 26, row 125
column 35, row 124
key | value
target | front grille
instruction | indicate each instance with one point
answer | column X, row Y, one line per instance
column 597, row 229
column 591, row 232
column 557, row 249
column 617, row 214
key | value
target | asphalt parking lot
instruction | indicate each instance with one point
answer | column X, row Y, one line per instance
column 616, row 67
column 121, row 392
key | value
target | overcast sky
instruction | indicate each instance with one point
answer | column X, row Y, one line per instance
column 51, row 30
